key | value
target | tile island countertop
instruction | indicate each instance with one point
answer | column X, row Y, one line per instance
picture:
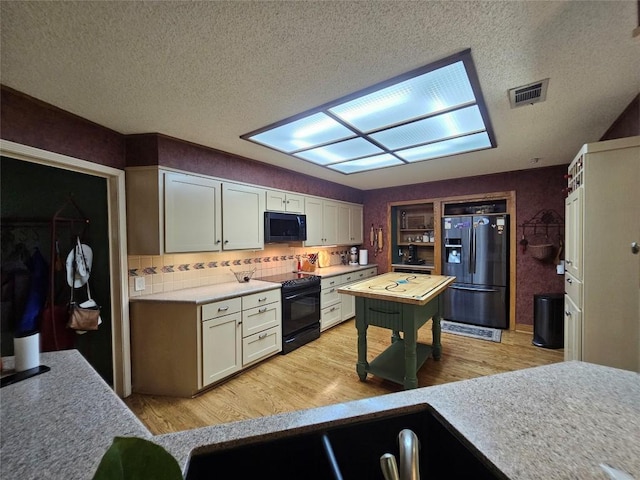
column 553, row 422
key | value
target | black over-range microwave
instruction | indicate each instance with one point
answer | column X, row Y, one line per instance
column 284, row 227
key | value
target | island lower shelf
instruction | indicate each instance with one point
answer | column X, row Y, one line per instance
column 390, row 364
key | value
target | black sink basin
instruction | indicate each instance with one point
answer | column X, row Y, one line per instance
column 353, row 449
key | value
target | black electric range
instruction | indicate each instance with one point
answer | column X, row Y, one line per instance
column 300, row 308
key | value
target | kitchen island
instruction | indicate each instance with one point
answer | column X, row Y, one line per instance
column 553, row 422
column 400, row 302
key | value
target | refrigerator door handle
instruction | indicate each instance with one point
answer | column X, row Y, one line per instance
column 474, row 289
column 470, row 250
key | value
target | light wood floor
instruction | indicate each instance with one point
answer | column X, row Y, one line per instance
column 323, row 373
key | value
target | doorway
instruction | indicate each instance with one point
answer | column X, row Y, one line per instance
column 32, row 178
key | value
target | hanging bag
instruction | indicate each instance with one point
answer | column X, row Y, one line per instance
column 84, row 316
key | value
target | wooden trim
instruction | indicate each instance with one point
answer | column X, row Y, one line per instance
column 438, row 209
column 524, row 328
column 117, row 247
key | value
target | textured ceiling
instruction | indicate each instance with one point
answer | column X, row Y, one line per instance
column 208, row 72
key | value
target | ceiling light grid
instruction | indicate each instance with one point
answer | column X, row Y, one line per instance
column 431, row 112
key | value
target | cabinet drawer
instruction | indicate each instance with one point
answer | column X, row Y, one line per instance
column 573, row 288
column 223, row 307
column 261, row 345
column 363, row 274
column 348, row 278
column 329, row 296
column 330, row 282
column 260, row 299
column 330, row 316
column 258, row 319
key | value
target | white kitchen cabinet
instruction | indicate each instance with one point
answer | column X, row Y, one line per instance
column 322, row 221
column 171, row 212
column 221, row 340
column 330, row 302
column 337, row 307
column 279, row 201
column 356, row 225
column 261, row 326
column 243, row 209
column 602, row 280
column 350, row 228
column 572, row 330
column 192, row 220
column 179, row 348
column 573, row 227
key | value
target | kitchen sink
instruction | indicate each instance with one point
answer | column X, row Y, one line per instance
column 353, row 449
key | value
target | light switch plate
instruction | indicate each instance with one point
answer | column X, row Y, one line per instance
column 139, row 284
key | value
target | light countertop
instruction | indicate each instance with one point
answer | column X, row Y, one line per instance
column 339, row 269
column 553, row 422
column 209, row 293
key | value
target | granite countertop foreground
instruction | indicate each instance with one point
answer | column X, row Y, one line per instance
column 553, row 422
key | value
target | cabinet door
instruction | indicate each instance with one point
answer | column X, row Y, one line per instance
column 313, row 210
column 348, row 306
column 242, row 217
column 221, row 348
column 356, row 226
column 278, row 201
column 294, row 203
column 343, row 224
column 330, row 223
column 573, row 217
column 572, row 330
column 191, row 213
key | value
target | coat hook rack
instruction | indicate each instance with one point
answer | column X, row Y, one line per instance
column 543, row 220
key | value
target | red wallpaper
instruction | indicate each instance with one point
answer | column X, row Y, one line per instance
column 536, row 189
column 31, row 122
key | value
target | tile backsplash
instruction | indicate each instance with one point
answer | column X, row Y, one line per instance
column 165, row 273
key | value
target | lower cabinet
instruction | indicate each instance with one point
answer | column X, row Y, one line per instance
column 572, row 330
column 180, row 348
column 337, row 307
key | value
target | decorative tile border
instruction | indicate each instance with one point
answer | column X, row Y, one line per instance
column 186, row 267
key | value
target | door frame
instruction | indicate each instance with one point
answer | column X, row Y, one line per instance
column 118, row 272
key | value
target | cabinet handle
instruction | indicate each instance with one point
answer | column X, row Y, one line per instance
column 217, row 242
column 223, row 309
column 332, row 290
column 567, row 313
column 262, row 310
column 262, row 299
column 635, row 248
column 261, row 336
column 569, row 281
column 226, row 241
column 568, row 261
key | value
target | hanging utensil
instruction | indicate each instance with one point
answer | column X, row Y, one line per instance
column 523, row 242
column 372, row 235
column 380, row 243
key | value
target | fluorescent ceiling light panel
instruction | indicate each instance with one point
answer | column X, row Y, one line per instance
column 453, row 146
column 339, row 152
column 431, row 112
column 369, row 163
column 304, row 133
column 426, row 94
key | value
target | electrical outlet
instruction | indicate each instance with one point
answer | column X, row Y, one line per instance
column 139, row 284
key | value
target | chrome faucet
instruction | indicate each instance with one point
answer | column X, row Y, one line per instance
column 409, row 461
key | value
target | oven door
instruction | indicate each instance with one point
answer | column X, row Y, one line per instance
column 300, row 309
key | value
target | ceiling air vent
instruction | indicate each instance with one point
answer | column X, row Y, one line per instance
column 529, row 94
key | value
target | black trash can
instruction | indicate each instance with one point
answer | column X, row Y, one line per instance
column 548, row 320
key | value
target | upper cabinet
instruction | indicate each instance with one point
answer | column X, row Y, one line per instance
column 192, row 213
column 350, row 226
column 322, row 221
column 170, row 212
column 279, row 201
column 242, row 217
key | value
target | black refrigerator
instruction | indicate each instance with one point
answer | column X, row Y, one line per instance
column 476, row 252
